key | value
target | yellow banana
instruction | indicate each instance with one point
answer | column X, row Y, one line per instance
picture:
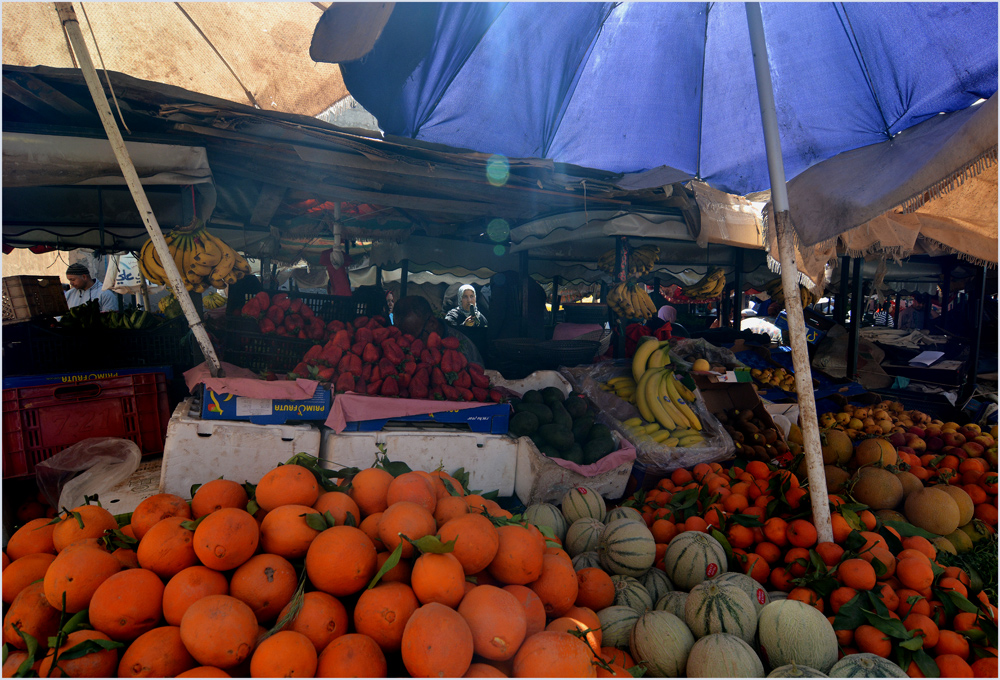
column 681, row 403
column 632, row 422
column 670, row 442
column 640, row 396
column 691, row 441
column 675, row 413
column 647, row 345
column 619, row 379
column 208, row 253
column 661, row 436
column 660, row 357
column 684, row 391
column 650, row 428
column 654, row 403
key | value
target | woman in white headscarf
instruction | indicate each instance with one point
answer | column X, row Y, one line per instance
column 466, row 313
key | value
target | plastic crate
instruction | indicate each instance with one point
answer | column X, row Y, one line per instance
column 40, row 421
column 29, row 297
column 262, row 352
column 365, row 301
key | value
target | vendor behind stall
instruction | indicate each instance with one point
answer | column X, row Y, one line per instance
column 413, row 315
column 466, row 314
column 83, row 289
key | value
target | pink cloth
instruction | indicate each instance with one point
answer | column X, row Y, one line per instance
column 569, row 331
column 623, row 455
column 243, row 382
column 352, row 407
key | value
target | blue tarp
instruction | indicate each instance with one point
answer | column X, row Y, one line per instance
column 631, row 87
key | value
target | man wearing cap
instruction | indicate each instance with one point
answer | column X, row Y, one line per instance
column 83, row 289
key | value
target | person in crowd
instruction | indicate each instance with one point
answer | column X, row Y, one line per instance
column 882, row 316
column 413, row 315
column 667, row 314
column 466, row 314
column 237, row 294
column 83, row 289
column 749, row 321
column 913, row 316
column 390, row 301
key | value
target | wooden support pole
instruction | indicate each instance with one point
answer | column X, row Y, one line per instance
column 857, row 314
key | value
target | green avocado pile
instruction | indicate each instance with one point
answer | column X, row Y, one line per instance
column 561, row 427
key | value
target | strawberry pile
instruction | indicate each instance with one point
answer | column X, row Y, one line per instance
column 281, row 315
column 367, row 357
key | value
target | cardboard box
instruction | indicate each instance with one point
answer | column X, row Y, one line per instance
column 265, row 411
column 488, row 418
column 720, row 397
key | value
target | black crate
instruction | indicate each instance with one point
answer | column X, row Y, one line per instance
column 31, row 297
column 262, row 352
column 365, row 301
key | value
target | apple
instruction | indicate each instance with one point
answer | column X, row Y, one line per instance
column 985, row 440
column 974, row 449
column 934, row 443
column 952, row 439
column 995, row 431
column 827, row 421
column 974, row 426
column 991, row 456
column 917, row 430
column 915, row 442
column 897, row 439
column 932, row 431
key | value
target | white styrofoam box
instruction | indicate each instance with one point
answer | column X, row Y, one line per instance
column 540, row 480
column 125, row 496
column 489, row 459
column 197, row 450
column 536, row 381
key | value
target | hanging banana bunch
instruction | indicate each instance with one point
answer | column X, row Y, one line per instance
column 641, row 260
column 777, row 293
column 202, row 259
column 710, row 286
column 631, row 302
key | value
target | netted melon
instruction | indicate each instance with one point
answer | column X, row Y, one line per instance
column 875, row 451
column 910, row 482
column 877, row 488
column 837, row 447
column 932, row 510
column 942, row 543
column 836, row 478
column 966, row 507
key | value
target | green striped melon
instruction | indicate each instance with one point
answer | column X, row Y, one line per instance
column 866, row 665
column 627, row 547
column 616, row 625
column 792, row 631
column 631, row 593
column 583, row 535
column 793, row 670
column 723, row 656
column 582, row 501
column 547, row 515
column 621, row 512
column 755, row 590
column 693, row 557
column 673, row 602
column 661, row 642
column 586, row 559
column 714, row 607
column 656, row 583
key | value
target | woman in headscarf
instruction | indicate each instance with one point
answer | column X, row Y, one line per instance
column 466, row 313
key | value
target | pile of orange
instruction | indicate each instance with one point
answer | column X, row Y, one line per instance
column 210, row 590
column 773, row 541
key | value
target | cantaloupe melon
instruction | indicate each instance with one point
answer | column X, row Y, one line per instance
column 630, row 593
column 932, row 510
column 794, row 670
column 865, row 665
column 877, row 488
column 715, row 606
column 692, row 557
column 960, row 540
column 586, row 559
column 662, row 642
column 966, row 507
column 753, row 589
column 627, row 547
column 616, row 625
column 876, row 451
column 723, row 656
column 942, row 543
column 673, row 602
column 836, row 478
column 656, row 583
column 621, row 512
column 892, row 515
column 909, row 481
column 837, row 447
column 582, row 501
column 583, row 535
column 548, row 515
column 790, row 631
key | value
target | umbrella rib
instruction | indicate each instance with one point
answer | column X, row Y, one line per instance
column 701, row 99
column 849, row 29
column 248, row 93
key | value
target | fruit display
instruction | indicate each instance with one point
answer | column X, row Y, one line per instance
column 631, row 301
column 755, row 439
column 778, row 377
column 640, row 261
column 777, row 293
column 203, row 259
column 88, row 315
column 708, row 287
column 561, row 426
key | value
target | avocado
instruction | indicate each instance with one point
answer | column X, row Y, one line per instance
column 581, row 427
column 541, row 411
column 560, row 416
column 523, row 423
column 532, row 397
column 595, row 449
column 559, row 436
column 550, row 451
column 551, row 395
column 575, row 454
column 537, row 439
column 575, row 406
column 598, row 431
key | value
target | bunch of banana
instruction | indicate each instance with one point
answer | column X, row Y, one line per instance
column 709, row 286
column 130, row 319
column 666, row 416
column 631, row 302
column 623, row 386
column 777, row 293
column 649, row 353
column 607, row 262
column 213, row 300
column 641, row 260
column 202, row 259
column 170, row 306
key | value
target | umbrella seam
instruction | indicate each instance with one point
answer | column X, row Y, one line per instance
column 849, row 29
column 701, row 102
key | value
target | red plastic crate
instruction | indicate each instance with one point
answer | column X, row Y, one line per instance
column 41, row 421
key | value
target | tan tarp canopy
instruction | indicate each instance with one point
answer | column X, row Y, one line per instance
column 189, row 45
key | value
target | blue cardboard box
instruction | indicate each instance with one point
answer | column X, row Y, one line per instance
column 813, row 334
column 265, row 411
column 488, row 418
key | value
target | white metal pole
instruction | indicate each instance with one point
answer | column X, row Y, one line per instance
column 67, row 16
column 789, row 278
